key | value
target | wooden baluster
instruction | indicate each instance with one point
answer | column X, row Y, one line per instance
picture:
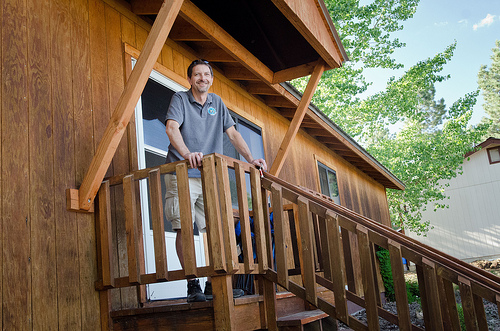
column 279, row 236
column 267, row 229
column 306, row 235
column 337, row 264
column 158, row 227
column 270, row 304
column 227, row 215
column 258, row 219
column 467, row 304
column 398, row 277
column 422, row 287
column 104, row 237
column 482, row 323
column 186, row 214
column 317, row 249
column 246, row 233
column 368, row 278
column 325, row 247
column 451, row 304
column 131, row 225
column 432, row 290
column 497, row 299
column 212, row 215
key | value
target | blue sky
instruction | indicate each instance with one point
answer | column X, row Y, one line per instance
column 475, row 25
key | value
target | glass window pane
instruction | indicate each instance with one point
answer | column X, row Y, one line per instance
column 154, row 110
column 323, row 181
column 494, row 154
column 334, row 189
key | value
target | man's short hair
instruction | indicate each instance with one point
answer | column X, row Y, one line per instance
column 197, row 62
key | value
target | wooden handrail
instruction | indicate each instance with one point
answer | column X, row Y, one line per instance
column 305, row 224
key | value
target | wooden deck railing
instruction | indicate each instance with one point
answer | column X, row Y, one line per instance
column 315, row 233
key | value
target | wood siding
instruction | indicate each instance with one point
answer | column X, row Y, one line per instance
column 469, row 229
column 63, row 71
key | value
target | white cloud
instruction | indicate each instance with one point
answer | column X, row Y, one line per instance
column 441, row 24
column 464, row 21
column 487, row 21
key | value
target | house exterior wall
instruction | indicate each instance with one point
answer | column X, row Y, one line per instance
column 63, row 70
column 470, row 228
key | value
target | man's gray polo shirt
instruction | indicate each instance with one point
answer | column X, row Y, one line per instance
column 201, row 127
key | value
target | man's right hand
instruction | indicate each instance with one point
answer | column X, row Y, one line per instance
column 194, row 159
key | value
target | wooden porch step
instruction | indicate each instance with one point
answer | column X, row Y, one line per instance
column 309, row 320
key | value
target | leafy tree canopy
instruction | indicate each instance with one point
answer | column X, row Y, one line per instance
column 489, row 83
column 418, row 138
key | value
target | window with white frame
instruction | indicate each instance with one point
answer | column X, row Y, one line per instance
column 328, row 182
column 494, row 154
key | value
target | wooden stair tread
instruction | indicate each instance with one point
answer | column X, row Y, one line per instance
column 301, row 318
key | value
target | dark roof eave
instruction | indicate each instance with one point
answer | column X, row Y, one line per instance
column 327, row 120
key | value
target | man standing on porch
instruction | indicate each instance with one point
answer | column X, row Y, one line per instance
column 195, row 123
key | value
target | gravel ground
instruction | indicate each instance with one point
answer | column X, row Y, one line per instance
column 415, row 310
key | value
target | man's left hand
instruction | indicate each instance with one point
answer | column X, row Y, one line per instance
column 260, row 163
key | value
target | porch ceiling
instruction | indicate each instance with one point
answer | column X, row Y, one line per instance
column 260, row 44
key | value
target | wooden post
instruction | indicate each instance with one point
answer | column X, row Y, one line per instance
column 368, row 278
column 227, row 215
column 158, row 227
column 404, row 321
column 297, row 118
column 131, row 225
column 451, row 303
column 188, row 251
column 467, row 304
column 309, row 270
column 104, row 237
column 270, row 304
column 223, row 304
column 279, row 236
column 246, row 235
column 125, row 107
column 258, row 219
column 337, row 265
column 212, row 215
column 433, row 300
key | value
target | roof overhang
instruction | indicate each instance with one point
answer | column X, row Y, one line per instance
column 487, row 143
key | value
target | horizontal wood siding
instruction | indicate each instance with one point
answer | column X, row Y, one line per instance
column 63, row 71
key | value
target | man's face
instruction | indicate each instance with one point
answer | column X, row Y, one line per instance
column 201, row 79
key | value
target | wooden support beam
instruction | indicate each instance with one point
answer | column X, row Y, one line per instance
column 235, row 73
column 295, row 72
column 225, row 41
column 125, row 108
column 297, row 119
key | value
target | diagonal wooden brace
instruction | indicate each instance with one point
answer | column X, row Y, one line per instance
column 126, row 104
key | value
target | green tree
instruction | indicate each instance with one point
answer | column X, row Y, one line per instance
column 430, row 141
column 489, row 83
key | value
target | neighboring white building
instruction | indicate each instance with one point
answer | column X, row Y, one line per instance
column 470, row 228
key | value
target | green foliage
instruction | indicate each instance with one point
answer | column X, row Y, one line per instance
column 461, row 317
column 412, row 291
column 431, row 138
column 386, row 273
column 489, row 83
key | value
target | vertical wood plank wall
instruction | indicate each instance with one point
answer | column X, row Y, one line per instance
column 63, row 71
